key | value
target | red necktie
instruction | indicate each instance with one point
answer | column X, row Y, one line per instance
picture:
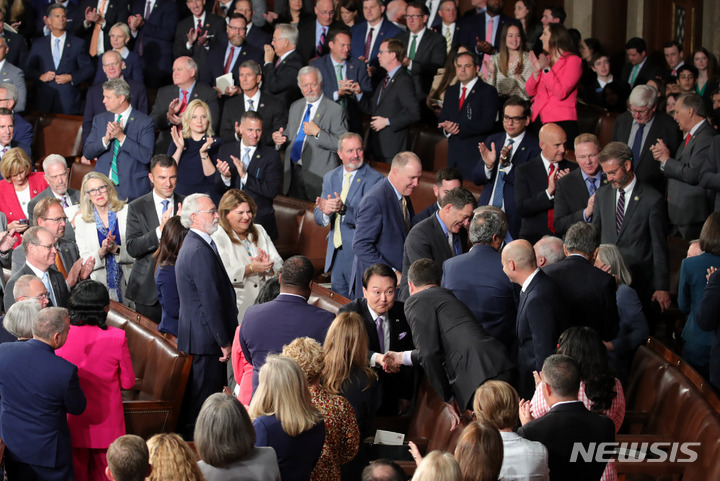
column 228, row 64
column 368, row 41
column 183, row 102
column 551, row 212
column 462, row 98
column 687, row 139
column 199, row 27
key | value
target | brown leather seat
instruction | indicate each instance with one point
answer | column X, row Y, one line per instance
column 56, row 134
column 77, row 173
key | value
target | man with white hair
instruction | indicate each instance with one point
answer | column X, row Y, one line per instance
column 208, row 312
column 57, row 176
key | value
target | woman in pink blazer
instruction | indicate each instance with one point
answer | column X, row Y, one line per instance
column 104, row 367
column 553, row 86
column 19, row 187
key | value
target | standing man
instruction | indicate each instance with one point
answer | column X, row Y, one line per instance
column 315, row 124
column 152, row 23
column 371, row 32
column 468, row 114
column 208, row 312
column 383, row 219
column 314, row 31
column 255, row 168
column 639, row 68
column 343, row 189
column 282, row 64
column 34, row 380
column 254, row 34
column 448, row 27
column 13, row 75
column 146, row 218
column 481, row 33
column 198, row 31
column 56, row 175
column 446, row 180
column 99, row 18
column 675, row 59
column 122, row 140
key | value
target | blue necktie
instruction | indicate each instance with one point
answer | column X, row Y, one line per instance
column 592, row 187
column 46, row 281
column 637, row 143
column 296, row 152
column 214, row 247
column 251, row 107
column 56, row 53
column 497, row 199
column 165, row 204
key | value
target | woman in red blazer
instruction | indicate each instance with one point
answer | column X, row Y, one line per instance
column 103, row 360
column 20, row 186
column 553, row 86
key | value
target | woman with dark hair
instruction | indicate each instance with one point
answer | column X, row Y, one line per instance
column 696, row 349
column 706, row 66
column 659, row 84
column 103, row 360
column 553, row 86
column 526, row 14
column 347, row 12
column 588, row 47
column 509, row 69
column 173, row 235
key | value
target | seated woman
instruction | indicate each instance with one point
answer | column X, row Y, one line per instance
column 100, row 233
column 510, row 68
column 246, row 250
column 20, row 186
column 173, row 235
column 19, row 319
column 225, row 441
column 172, row 459
column 285, row 418
column 342, row 437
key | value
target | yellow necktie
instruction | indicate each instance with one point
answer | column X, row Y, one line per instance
column 337, row 235
column 448, row 39
column 406, row 214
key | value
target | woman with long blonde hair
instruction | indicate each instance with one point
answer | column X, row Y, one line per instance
column 172, row 459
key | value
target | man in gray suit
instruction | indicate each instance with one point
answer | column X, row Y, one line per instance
column 57, row 174
column 688, row 203
column 9, row 73
column 315, row 124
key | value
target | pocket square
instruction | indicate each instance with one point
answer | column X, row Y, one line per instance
column 401, row 336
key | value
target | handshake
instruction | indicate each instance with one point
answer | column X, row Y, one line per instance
column 390, row 361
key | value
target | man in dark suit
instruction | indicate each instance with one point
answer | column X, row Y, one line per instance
column 515, row 147
column 568, row 423
column 441, row 236
column 341, row 85
column 631, row 215
column 491, row 296
column 640, row 128
column 343, row 189
column 11, row 74
column 99, row 18
column 208, row 312
column 282, row 65
column 266, row 328
column 17, row 46
column 34, row 380
column 198, row 31
column 59, row 64
column 393, row 107
column 446, row 23
column 639, row 68
column 23, row 130
column 468, row 114
column 314, row 31
column 383, row 219
column 535, row 184
column 273, row 111
column 675, row 58
column 688, row 202
column 575, row 193
column 254, row 34
column 473, row 29
column 588, row 292
column 153, row 26
column 385, row 317
column 7, row 129
column 146, row 218
column 122, row 140
column 456, row 353
column 255, row 168
column 172, row 100
column 710, row 172
column 371, row 32
column 446, row 179
column 56, row 175
column 540, row 314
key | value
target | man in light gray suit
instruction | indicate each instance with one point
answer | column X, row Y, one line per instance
column 9, row 73
column 315, row 124
column 56, row 175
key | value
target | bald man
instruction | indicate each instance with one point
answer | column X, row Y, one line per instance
column 540, row 312
column 535, row 183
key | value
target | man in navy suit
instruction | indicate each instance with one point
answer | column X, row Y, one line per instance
column 468, row 114
column 254, row 34
column 59, row 64
column 314, row 31
column 352, row 74
column 208, row 312
column 266, row 328
column 122, row 140
column 473, row 29
column 343, row 189
column 514, row 147
column 383, row 219
column 446, row 23
column 491, row 296
column 153, row 26
column 370, row 33
column 253, row 167
column 281, row 65
column 540, row 313
column 200, row 30
column 446, row 180
column 38, row 390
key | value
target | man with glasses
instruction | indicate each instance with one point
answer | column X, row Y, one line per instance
column 314, row 31
column 640, row 128
column 56, row 175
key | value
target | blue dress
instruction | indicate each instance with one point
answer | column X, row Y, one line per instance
column 191, row 179
column 168, row 298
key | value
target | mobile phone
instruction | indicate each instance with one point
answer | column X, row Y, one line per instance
column 23, row 221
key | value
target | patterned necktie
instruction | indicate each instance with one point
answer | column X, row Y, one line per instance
column 229, row 61
column 337, row 234
column 198, row 29
column 56, row 53
column 148, row 9
column 510, row 143
column 64, row 201
column 297, row 148
column 380, row 333
column 592, row 187
column 321, row 43
column 448, row 39
column 406, row 213
column 620, row 212
column 451, row 243
column 214, row 247
column 462, row 98
column 551, row 212
column 637, row 143
column 184, row 101
column 339, row 75
column 251, row 107
column 497, row 199
column 116, row 148
column 368, row 42
column 384, row 86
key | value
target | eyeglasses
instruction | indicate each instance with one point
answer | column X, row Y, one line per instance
column 237, row 29
column 513, row 120
column 326, row 12
column 55, row 219
column 639, row 112
column 41, row 297
column 100, row 190
column 413, row 16
column 48, row 247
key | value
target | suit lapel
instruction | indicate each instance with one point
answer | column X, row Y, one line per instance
column 355, row 185
column 394, row 203
column 632, row 204
column 373, row 336
column 440, row 236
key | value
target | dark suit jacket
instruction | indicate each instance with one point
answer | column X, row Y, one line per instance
column 266, row 328
column 533, row 204
column 476, row 119
column 263, row 182
column 472, row 28
column 281, row 81
column 74, row 200
column 643, row 235
column 57, row 281
column 646, row 168
column 133, row 157
column 133, row 70
column 141, row 241
column 17, row 48
column 710, row 172
column 359, row 33
column 68, row 250
column 23, row 133
column 438, row 27
column 425, row 213
column 94, row 104
column 208, row 313
column 427, row 241
column 577, row 425
column 52, row 96
column 273, row 111
column 257, row 37
column 34, row 380
column 117, row 11
column 648, row 71
column 429, row 57
column 307, row 43
column 400, row 105
column 380, row 231
column 213, row 25
column 155, row 38
column 571, row 198
column 491, row 296
column 167, row 296
column 212, row 62
column 456, row 353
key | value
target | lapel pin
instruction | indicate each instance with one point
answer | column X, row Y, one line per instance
column 257, row 156
column 636, row 198
column 34, row 191
column 358, row 179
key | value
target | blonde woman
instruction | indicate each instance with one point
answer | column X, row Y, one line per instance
column 100, row 233
column 437, row 466
column 285, row 418
column 194, row 149
column 510, row 68
column 172, row 459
